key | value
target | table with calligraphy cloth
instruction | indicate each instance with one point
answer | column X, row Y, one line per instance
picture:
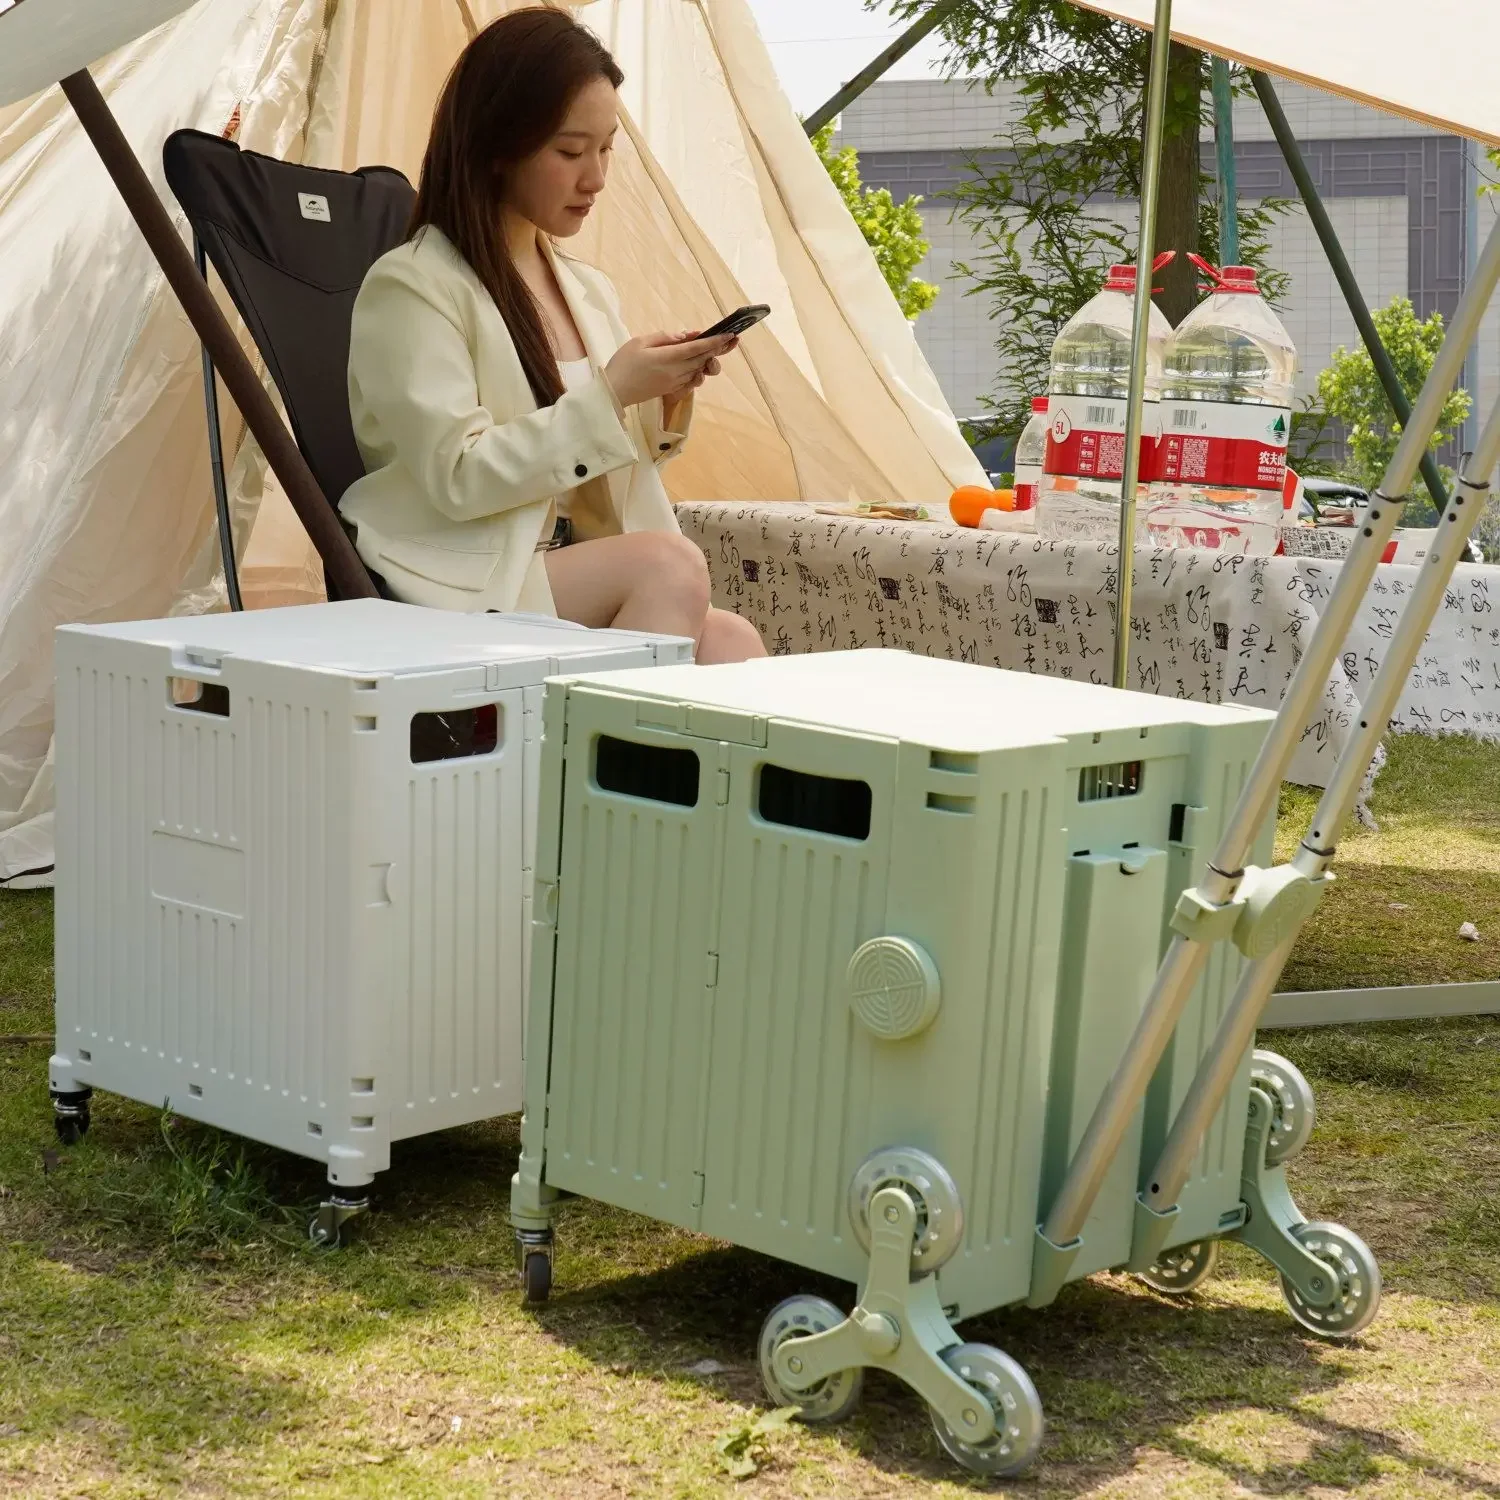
column 1218, row 629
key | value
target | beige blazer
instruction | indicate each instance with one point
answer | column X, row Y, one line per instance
column 462, row 466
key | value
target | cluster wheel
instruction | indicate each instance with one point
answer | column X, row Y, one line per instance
column 833, row 1397
column 933, row 1192
column 1293, row 1110
column 1357, row 1273
column 1000, row 1381
column 1184, row 1269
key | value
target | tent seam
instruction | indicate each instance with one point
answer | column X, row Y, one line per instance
column 775, row 180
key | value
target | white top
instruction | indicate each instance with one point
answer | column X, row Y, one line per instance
column 375, row 637
column 929, row 700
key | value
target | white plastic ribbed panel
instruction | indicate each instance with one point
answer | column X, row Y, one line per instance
column 274, row 912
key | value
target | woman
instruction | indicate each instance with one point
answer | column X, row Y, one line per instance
column 511, row 428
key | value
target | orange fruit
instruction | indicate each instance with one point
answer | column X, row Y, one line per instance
column 968, row 504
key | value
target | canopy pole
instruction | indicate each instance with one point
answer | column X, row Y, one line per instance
column 344, row 571
column 1384, row 369
column 1140, row 330
column 1229, row 196
column 893, row 54
column 1469, row 437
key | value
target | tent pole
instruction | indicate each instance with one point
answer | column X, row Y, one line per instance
column 893, row 54
column 344, row 570
column 1384, row 369
column 1469, row 435
column 1229, row 197
column 1140, row 331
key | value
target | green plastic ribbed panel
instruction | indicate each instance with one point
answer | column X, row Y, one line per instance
column 718, row 842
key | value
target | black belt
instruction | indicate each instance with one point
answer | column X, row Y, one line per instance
column 562, row 536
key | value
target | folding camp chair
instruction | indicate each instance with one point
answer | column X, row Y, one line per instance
column 292, row 245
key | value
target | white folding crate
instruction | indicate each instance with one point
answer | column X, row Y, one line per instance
column 292, row 901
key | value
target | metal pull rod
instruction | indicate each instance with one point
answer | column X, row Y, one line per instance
column 1185, row 958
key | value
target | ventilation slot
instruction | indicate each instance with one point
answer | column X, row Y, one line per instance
column 1179, row 822
column 655, row 772
column 820, row 804
column 952, row 760
column 1099, row 783
column 940, row 802
column 199, row 697
column 456, row 734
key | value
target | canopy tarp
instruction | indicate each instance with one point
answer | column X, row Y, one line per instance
column 1434, row 62
column 716, row 198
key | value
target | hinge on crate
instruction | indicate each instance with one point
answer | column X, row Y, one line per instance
column 721, row 792
column 711, row 973
column 544, row 906
column 1201, row 921
column 1269, row 906
column 1276, row 904
column 699, row 1188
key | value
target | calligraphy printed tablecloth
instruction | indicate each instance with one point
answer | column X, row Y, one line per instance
column 1217, row 629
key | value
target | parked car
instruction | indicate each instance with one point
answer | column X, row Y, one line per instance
column 1327, row 497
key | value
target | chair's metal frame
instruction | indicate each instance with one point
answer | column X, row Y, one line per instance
column 216, row 455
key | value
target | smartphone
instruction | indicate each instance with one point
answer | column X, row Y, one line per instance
column 737, row 321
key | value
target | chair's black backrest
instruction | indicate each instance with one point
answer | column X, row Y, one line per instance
column 292, row 245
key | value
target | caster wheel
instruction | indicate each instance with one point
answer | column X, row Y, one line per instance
column 536, row 1277
column 1358, row 1274
column 831, row 1399
column 323, row 1232
column 1182, row 1270
column 328, row 1229
column 940, row 1210
column 71, row 1128
column 1293, row 1111
column 1018, row 1411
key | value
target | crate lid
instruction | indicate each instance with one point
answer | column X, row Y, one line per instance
column 375, row 637
column 921, row 699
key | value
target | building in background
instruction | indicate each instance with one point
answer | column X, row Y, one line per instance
column 1396, row 191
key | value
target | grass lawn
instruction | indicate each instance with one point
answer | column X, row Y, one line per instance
column 165, row 1329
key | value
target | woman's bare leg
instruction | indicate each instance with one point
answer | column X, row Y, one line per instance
column 728, row 637
column 646, row 580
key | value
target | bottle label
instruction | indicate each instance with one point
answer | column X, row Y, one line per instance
column 1086, row 437
column 1025, row 497
column 1224, row 443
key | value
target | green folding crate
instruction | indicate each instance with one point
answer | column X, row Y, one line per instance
column 834, row 956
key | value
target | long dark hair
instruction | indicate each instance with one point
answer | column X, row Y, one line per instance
column 507, row 96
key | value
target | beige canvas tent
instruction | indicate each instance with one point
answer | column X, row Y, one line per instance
column 716, row 199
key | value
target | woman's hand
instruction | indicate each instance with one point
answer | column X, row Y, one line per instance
column 711, row 367
column 663, row 364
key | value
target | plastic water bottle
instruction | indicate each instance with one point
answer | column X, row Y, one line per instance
column 1226, row 414
column 1031, row 450
column 1079, row 495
